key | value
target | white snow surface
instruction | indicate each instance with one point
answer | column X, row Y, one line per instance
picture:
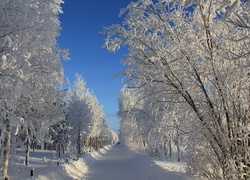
column 110, row 163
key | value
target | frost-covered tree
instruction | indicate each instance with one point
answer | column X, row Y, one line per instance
column 186, row 52
column 78, row 109
column 107, row 136
column 31, row 71
column 236, row 15
column 128, row 107
column 85, row 115
column 156, row 127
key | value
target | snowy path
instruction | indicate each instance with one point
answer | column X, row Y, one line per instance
column 120, row 163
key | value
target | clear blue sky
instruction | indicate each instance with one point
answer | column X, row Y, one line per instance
column 81, row 24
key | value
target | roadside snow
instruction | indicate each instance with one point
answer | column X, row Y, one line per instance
column 117, row 162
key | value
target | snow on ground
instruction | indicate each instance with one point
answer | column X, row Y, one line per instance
column 123, row 164
column 111, row 163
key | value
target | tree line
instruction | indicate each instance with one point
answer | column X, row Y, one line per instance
column 187, row 82
column 35, row 110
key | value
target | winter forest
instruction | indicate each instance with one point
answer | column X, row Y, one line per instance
column 186, row 94
column 187, row 78
column 36, row 112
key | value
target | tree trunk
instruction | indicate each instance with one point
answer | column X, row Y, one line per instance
column 178, row 147
column 34, row 144
column 63, row 149
column 90, row 143
column 178, row 141
column 27, row 152
column 170, row 149
column 96, row 142
column 59, row 150
column 79, row 142
column 1, row 142
column 164, row 147
column 7, row 148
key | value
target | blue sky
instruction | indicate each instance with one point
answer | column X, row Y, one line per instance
column 81, row 23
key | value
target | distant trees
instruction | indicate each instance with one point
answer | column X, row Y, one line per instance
column 84, row 117
column 189, row 61
column 144, row 124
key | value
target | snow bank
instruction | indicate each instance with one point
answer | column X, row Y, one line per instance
column 148, row 168
column 48, row 169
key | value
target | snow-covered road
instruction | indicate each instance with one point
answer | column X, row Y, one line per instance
column 121, row 163
column 109, row 163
